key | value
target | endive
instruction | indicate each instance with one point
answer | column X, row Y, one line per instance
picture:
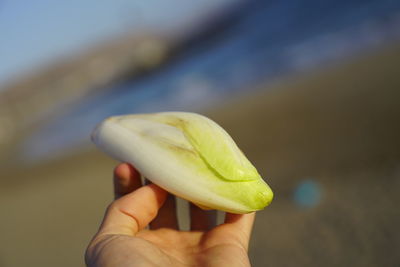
column 188, row 155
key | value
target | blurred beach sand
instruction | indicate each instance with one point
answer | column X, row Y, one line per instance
column 338, row 127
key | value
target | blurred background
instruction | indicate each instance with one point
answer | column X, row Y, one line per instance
column 309, row 90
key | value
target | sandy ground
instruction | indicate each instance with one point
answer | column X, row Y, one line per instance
column 338, row 128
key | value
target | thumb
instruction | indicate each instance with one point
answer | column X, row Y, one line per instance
column 133, row 212
column 238, row 228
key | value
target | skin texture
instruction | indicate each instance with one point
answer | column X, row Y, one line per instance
column 140, row 229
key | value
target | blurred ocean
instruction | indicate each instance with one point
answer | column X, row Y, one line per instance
column 266, row 41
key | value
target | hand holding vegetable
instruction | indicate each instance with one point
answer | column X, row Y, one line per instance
column 122, row 239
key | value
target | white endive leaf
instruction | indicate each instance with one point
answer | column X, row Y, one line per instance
column 189, row 155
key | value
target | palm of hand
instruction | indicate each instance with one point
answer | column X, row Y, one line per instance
column 123, row 241
column 168, row 247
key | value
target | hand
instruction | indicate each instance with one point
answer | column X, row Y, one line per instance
column 123, row 239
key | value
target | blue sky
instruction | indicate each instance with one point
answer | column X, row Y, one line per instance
column 37, row 32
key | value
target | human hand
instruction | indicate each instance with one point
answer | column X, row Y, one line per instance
column 123, row 239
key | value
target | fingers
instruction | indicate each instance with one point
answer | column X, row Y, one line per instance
column 167, row 217
column 126, row 179
column 134, row 211
column 202, row 220
column 240, row 226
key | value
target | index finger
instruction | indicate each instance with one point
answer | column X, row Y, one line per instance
column 126, row 179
